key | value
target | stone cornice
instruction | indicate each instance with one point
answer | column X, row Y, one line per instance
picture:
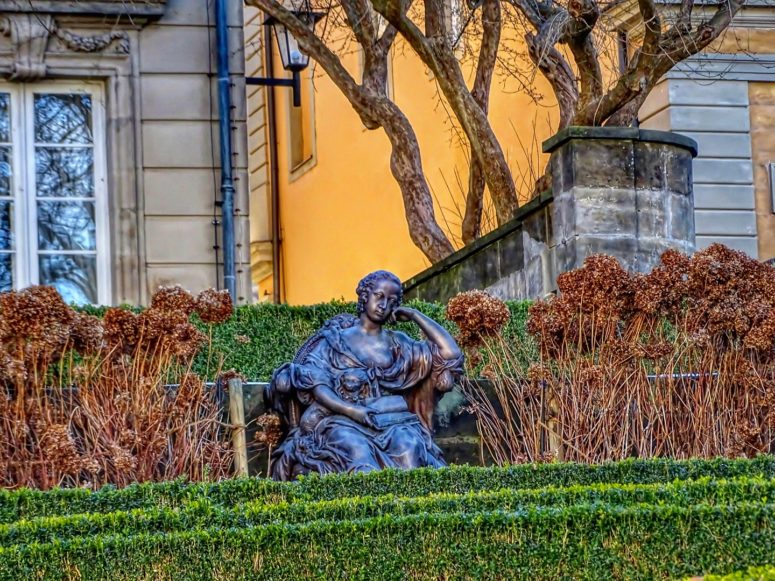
column 116, row 8
column 728, row 67
column 624, row 14
column 30, row 35
column 619, row 133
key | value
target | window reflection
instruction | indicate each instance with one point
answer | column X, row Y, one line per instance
column 5, row 118
column 5, row 171
column 75, row 277
column 61, row 118
column 64, row 172
column 6, row 225
column 60, row 130
column 66, row 226
column 6, row 272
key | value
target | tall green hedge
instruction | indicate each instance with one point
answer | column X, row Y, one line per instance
column 204, row 514
column 580, row 542
column 259, row 338
column 27, row 504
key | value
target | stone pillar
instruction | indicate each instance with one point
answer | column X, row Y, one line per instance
column 620, row 191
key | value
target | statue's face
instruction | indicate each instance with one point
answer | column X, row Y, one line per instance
column 382, row 300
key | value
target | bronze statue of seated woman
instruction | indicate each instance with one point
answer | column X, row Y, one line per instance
column 359, row 397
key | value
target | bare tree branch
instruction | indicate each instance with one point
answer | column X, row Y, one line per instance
column 559, row 74
column 653, row 24
column 485, row 67
column 436, row 52
column 585, row 14
column 658, row 54
column 376, row 110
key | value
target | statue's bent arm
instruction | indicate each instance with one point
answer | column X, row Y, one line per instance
column 436, row 334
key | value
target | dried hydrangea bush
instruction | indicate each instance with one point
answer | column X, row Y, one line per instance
column 87, row 401
column 679, row 362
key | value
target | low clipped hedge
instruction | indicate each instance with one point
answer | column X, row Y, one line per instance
column 766, row 573
column 204, row 515
column 27, row 504
column 260, row 338
column 589, row 541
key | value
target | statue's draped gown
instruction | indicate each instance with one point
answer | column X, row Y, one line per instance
column 336, row 443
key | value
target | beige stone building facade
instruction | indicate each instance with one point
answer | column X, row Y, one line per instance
column 109, row 150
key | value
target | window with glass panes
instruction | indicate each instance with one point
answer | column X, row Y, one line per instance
column 53, row 221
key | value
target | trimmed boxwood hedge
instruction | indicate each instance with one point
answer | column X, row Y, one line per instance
column 203, row 514
column 259, row 338
column 766, row 573
column 580, row 542
column 26, row 504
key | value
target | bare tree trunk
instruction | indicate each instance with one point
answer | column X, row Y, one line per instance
column 376, row 110
column 434, row 49
column 488, row 56
column 406, row 165
column 472, row 219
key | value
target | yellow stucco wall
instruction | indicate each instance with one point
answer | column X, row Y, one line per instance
column 344, row 216
column 750, row 40
column 761, row 98
column 762, row 110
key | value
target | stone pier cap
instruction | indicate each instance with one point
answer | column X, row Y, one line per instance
column 630, row 133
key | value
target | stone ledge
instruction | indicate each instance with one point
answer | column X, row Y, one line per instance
column 450, row 261
column 137, row 8
column 624, row 133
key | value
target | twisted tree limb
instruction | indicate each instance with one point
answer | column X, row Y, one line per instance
column 485, row 67
column 371, row 103
column 435, row 50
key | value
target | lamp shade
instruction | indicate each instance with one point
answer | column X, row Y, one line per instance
column 291, row 55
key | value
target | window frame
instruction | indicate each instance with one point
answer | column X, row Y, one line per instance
column 26, row 268
column 295, row 171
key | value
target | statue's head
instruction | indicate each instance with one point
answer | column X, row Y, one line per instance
column 379, row 284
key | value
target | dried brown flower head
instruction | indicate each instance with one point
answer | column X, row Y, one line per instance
column 477, row 315
column 38, row 317
column 271, row 433
column 230, row 374
column 600, row 285
column 86, row 334
column 187, row 340
column 156, row 324
column 121, row 328
column 173, row 298
column 59, row 448
column 190, row 389
column 214, row 306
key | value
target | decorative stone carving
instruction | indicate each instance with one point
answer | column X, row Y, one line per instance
column 30, row 34
column 96, row 43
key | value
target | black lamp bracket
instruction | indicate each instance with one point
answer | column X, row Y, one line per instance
column 294, row 82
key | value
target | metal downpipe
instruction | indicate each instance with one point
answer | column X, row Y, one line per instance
column 275, row 174
column 224, row 123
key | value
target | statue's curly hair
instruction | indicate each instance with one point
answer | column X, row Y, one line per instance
column 367, row 283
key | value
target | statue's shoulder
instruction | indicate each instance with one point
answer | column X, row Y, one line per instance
column 401, row 338
column 331, row 328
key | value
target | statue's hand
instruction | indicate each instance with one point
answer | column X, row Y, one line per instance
column 362, row 415
column 402, row 315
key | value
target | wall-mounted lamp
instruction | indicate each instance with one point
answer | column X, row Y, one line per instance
column 291, row 55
